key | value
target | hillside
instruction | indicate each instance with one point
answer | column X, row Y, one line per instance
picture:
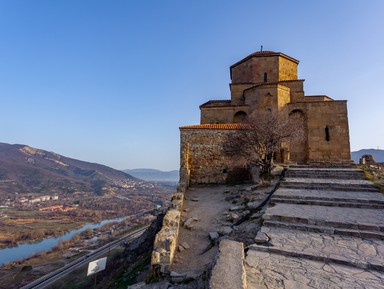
column 24, row 169
column 377, row 154
column 155, row 175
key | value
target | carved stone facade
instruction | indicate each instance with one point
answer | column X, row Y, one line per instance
column 264, row 81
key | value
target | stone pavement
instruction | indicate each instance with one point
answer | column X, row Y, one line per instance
column 268, row 270
column 325, row 229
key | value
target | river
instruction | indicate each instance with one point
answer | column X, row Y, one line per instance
column 25, row 250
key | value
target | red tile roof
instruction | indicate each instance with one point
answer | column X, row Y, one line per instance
column 218, row 126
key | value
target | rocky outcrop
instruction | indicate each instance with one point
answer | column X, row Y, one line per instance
column 165, row 244
column 367, row 160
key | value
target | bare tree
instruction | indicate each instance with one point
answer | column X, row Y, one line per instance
column 260, row 137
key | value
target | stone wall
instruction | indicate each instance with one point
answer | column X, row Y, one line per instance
column 165, row 244
column 277, row 66
column 267, row 97
column 296, row 89
column 252, row 70
column 202, row 159
column 287, row 69
column 237, row 92
column 220, row 114
column 327, row 130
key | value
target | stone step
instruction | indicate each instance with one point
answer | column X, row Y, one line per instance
column 329, row 198
column 325, row 165
column 329, row 184
column 334, row 203
column 337, row 196
column 331, row 187
column 372, row 234
column 269, row 270
column 330, row 174
column 325, row 216
column 351, row 251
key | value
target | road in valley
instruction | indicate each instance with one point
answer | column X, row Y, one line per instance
column 50, row 278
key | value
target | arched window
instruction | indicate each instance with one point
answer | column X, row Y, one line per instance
column 265, row 77
column 297, row 113
column 239, row 117
column 298, row 150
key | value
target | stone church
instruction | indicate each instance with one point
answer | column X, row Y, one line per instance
column 264, row 81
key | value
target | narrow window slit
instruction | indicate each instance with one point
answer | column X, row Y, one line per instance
column 327, row 135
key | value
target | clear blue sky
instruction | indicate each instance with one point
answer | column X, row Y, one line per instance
column 111, row 81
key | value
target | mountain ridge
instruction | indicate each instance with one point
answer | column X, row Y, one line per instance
column 154, row 175
column 31, row 170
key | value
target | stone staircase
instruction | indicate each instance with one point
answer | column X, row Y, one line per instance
column 331, row 179
column 364, row 223
column 324, row 224
column 324, row 173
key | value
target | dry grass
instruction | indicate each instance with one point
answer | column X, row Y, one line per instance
column 375, row 174
column 24, row 226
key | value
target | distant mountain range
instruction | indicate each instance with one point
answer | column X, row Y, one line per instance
column 153, row 175
column 24, row 169
column 376, row 153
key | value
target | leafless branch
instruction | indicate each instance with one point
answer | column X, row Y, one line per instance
column 257, row 144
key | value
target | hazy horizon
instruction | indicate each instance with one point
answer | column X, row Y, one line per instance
column 112, row 82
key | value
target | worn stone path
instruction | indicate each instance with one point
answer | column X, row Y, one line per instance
column 325, row 229
column 207, row 204
column 354, row 251
column 267, row 270
column 354, row 218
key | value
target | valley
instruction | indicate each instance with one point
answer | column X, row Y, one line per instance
column 44, row 194
column 21, row 272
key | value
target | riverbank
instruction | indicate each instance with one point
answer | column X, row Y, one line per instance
column 25, row 226
column 21, row 272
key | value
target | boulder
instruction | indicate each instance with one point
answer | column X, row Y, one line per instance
column 261, row 238
column 190, row 222
column 177, row 277
column 213, row 236
column 137, row 286
column 225, row 230
column 232, row 217
column 236, row 208
column 253, row 205
column 185, row 245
